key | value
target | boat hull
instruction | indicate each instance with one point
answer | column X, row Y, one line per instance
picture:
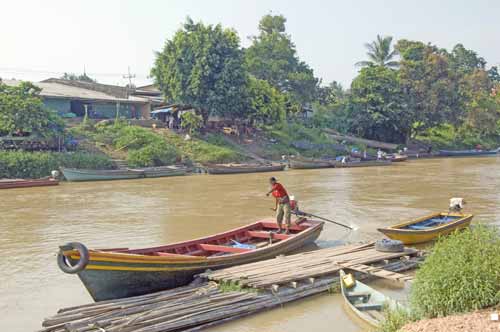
column 158, row 172
column 110, row 275
column 11, row 184
column 100, row 175
column 414, row 236
column 363, row 164
column 239, row 169
column 299, row 164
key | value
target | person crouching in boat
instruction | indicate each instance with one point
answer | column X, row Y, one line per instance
column 282, row 207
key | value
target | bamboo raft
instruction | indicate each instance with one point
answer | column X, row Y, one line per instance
column 205, row 304
column 289, row 270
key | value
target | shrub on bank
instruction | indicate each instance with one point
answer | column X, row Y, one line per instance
column 394, row 320
column 21, row 164
column 461, row 274
column 154, row 154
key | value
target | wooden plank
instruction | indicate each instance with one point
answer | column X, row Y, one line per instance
column 377, row 272
column 213, row 247
column 268, row 235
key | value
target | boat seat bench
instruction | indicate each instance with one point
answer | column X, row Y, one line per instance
column 267, row 235
column 213, row 247
column 364, row 296
column 368, row 306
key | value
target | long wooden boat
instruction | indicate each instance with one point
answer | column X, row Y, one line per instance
column 310, row 164
column 26, row 183
column 364, row 301
column 243, row 168
column 163, row 171
column 123, row 272
column 369, row 163
column 465, row 153
column 72, row 174
column 427, row 228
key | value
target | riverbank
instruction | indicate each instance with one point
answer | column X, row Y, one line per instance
column 479, row 321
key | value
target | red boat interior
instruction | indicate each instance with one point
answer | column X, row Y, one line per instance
column 241, row 240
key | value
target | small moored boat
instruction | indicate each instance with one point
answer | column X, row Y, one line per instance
column 163, row 171
column 395, row 158
column 242, row 168
column 369, row 163
column 72, row 174
column 364, row 301
column 427, row 228
column 466, row 153
column 122, row 272
column 26, row 183
column 310, row 163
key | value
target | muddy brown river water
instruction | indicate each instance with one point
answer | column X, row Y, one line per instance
column 135, row 213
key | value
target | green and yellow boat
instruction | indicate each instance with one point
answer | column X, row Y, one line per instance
column 427, row 228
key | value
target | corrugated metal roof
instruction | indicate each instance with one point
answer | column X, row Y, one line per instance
column 57, row 90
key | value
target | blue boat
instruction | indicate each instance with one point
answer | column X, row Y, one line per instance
column 465, row 153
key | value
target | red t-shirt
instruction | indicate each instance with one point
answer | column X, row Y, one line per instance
column 279, row 191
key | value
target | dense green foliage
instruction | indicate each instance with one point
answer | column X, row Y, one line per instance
column 22, row 111
column 380, row 53
column 19, row 164
column 375, row 105
column 202, row 66
column 192, row 122
column 461, row 274
column 272, row 57
column 266, row 103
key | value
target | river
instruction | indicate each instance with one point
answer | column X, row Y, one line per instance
column 135, row 213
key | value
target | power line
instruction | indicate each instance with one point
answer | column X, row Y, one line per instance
column 48, row 72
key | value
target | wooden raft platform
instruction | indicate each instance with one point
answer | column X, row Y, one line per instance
column 202, row 305
column 304, row 267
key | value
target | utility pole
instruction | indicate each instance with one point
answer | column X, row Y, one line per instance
column 129, row 76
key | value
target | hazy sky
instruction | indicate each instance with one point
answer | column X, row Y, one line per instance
column 41, row 39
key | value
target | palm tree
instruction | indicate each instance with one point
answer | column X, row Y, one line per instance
column 380, row 54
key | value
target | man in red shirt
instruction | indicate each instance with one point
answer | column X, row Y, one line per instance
column 282, row 204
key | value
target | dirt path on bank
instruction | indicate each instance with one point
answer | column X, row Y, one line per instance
column 472, row 322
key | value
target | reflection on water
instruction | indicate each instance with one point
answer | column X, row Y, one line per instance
column 135, row 213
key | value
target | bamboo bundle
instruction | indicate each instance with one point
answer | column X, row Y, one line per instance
column 190, row 308
column 282, row 270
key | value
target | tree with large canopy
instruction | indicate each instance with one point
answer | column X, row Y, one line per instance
column 380, row 53
column 272, row 57
column 202, row 66
column 22, row 112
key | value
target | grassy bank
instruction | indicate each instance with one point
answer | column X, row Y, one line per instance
column 447, row 137
column 20, row 164
column 143, row 147
column 296, row 139
column 461, row 274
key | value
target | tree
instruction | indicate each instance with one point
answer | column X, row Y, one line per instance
column 192, row 122
column 272, row 57
column 431, row 88
column 380, row 53
column 22, row 111
column 465, row 61
column 375, row 109
column 202, row 66
column 74, row 77
column 330, row 94
column 266, row 103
